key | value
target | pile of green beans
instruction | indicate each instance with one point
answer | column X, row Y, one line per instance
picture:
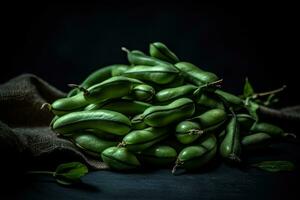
column 158, row 111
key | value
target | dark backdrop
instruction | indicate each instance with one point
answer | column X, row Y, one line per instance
column 63, row 43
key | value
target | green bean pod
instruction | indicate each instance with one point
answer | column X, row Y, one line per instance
column 137, row 124
column 142, row 92
column 119, row 158
column 115, row 87
column 271, row 129
column 204, row 101
column 179, row 81
column 196, row 156
column 53, row 120
column 158, row 156
column 90, row 143
column 139, row 140
column 138, row 52
column 229, row 99
column 255, row 140
column 196, row 75
column 162, row 52
column 73, row 92
column 68, row 104
column 158, row 116
column 158, row 74
column 118, row 70
column 246, row 121
column 230, row 148
column 171, row 94
column 136, row 58
column 99, row 76
column 210, row 118
column 103, row 120
column 188, row 131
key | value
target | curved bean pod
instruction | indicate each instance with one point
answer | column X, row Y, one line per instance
column 170, row 94
column 161, row 51
column 142, row 92
column 255, row 139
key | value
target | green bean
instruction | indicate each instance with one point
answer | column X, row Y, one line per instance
column 98, row 76
column 142, row 92
column 210, row 118
column 158, row 74
column 104, row 120
column 139, row 59
column 119, row 158
column 139, row 140
column 170, row 94
column 255, row 139
column 119, row 70
column 137, row 124
column 208, row 102
column 91, row 144
column 271, row 129
column 159, row 155
column 115, row 87
column 179, row 81
column 158, row 116
column 68, row 104
column 102, row 134
column 230, row 148
column 187, row 132
column 196, row 75
column 161, row 51
column 198, row 155
column 246, row 121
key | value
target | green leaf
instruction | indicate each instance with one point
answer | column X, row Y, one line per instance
column 69, row 173
column 252, row 108
column 248, row 89
column 275, row 166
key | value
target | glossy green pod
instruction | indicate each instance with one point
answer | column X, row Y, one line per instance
column 137, row 124
column 268, row 128
column 158, row 116
column 124, row 106
column 118, row 70
column 136, row 58
column 115, row 87
column 138, row 140
column 90, row 143
column 53, row 120
column 159, row 156
column 138, row 52
column 210, row 118
column 103, row 120
column 196, row 75
column 204, row 101
column 228, row 98
column 68, row 104
column 162, row 52
column 188, row 131
column 196, row 156
column 157, row 74
column 119, row 158
column 142, row 92
column 255, row 139
column 102, row 134
column 98, row 76
column 170, row 94
column 230, row 148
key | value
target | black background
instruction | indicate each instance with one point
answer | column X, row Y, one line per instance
column 64, row 42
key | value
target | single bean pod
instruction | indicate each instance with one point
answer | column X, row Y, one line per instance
column 205, row 101
column 170, row 94
column 158, row 74
column 68, row 104
column 139, row 140
column 119, row 158
column 90, row 143
column 271, row 129
column 124, row 106
column 99, row 75
column 210, row 118
column 158, row 116
column 255, row 140
column 229, row 99
column 188, row 131
column 115, row 87
column 119, row 70
column 230, row 148
column 136, row 58
column 158, row 155
column 196, row 75
column 103, row 120
column 162, row 52
column 142, row 92
column 196, row 156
